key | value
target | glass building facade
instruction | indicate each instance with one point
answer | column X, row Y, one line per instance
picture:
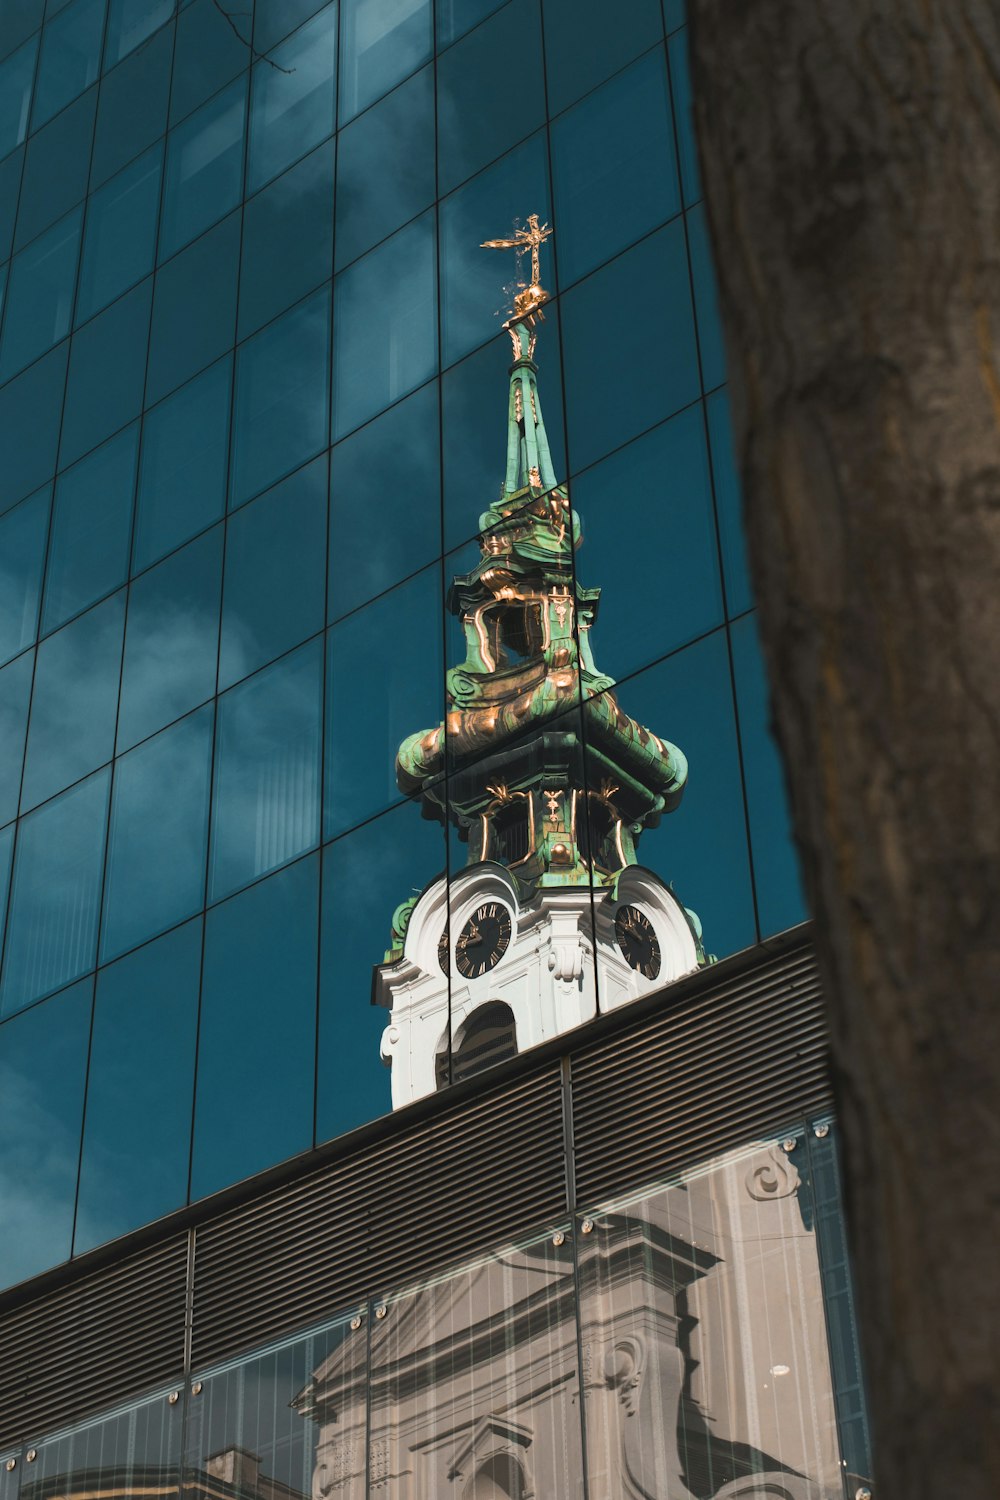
column 252, row 405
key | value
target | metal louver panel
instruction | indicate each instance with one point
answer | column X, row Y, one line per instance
column 725, row 1063
column 93, row 1342
column 464, row 1178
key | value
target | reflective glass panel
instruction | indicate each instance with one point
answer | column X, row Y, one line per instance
column 158, row 835
column 17, row 74
column 172, row 640
column 292, row 98
column 74, row 701
column 401, row 631
column 70, row 57
column 43, row 1062
column 91, row 529
column 20, row 18
column 385, row 167
column 384, row 501
column 22, row 555
column 476, row 283
column 275, row 584
column 131, row 22
column 648, row 288
column 10, row 185
column 497, row 1407
column 121, row 234
column 204, row 172
column 56, row 895
column 6, row 857
column 15, row 690
column 287, row 240
column 274, row 19
column 55, row 168
column 780, row 898
column 729, row 502
column 106, row 370
column 133, row 1448
column 40, row 294
column 261, row 1419
column 258, row 1020
column 703, row 1312
column 653, row 598
column 194, row 308
column 282, row 397
column 680, row 81
column 614, row 174
column 267, row 773
column 137, row 1138
column 582, row 49
column 385, row 863
column 706, row 298
column 30, row 412
column 383, row 41
column 132, row 111
column 477, row 117
column 456, row 17
column 385, row 312
column 182, row 479
column 213, row 45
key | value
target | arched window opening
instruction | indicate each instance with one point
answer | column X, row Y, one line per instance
column 515, row 633
column 499, row 1478
column 510, row 836
column 600, row 835
column 488, row 1037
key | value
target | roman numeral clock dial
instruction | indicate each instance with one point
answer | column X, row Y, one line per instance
column 482, row 942
column 637, row 940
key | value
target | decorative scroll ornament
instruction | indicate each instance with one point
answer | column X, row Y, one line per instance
column 773, row 1178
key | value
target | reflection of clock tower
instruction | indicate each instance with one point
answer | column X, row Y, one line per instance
column 548, row 781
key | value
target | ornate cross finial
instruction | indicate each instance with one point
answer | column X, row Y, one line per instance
column 529, row 296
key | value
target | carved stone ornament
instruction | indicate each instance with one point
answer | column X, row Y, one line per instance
column 773, row 1178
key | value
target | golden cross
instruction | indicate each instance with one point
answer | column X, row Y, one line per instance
column 522, row 240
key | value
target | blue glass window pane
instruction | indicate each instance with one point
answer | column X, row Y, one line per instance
column 18, row 20
column 648, row 288
column 194, row 309
column 292, row 98
column 210, row 52
column 10, row 186
column 74, row 701
column 106, row 368
column 780, row 897
column 132, row 112
column 385, row 167
column 384, row 42
column 91, row 529
column 40, row 295
column 384, row 502
column 17, row 74
column 182, row 481
column 30, row 412
column 739, row 596
column 204, row 173
column 274, row 19
column 287, row 240
column 172, row 640
column 42, row 1074
column 405, row 695
column 22, row 555
column 131, row 22
column 381, row 864
column 120, row 239
column 275, row 585
column 15, row 690
column 614, row 173
column 706, row 298
column 6, row 857
column 71, row 56
column 258, row 947
column 282, row 397
column 456, row 17
column 673, row 14
column 476, row 120
column 584, row 45
column 385, row 316
column 680, row 83
column 689, row 699
column 55, row 169
column 475, row 282
column 137, row 1136
column 663, row 480
column 159, row 834
column 266, row 806
column 56, row 895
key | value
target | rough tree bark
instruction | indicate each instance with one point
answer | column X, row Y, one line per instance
column 851, row 163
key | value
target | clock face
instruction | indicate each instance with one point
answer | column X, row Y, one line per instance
column 637, row 940
column 483, row 940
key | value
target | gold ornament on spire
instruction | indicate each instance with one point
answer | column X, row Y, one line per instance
column 530, row 295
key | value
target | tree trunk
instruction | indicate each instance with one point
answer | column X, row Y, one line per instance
column 850, row 155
